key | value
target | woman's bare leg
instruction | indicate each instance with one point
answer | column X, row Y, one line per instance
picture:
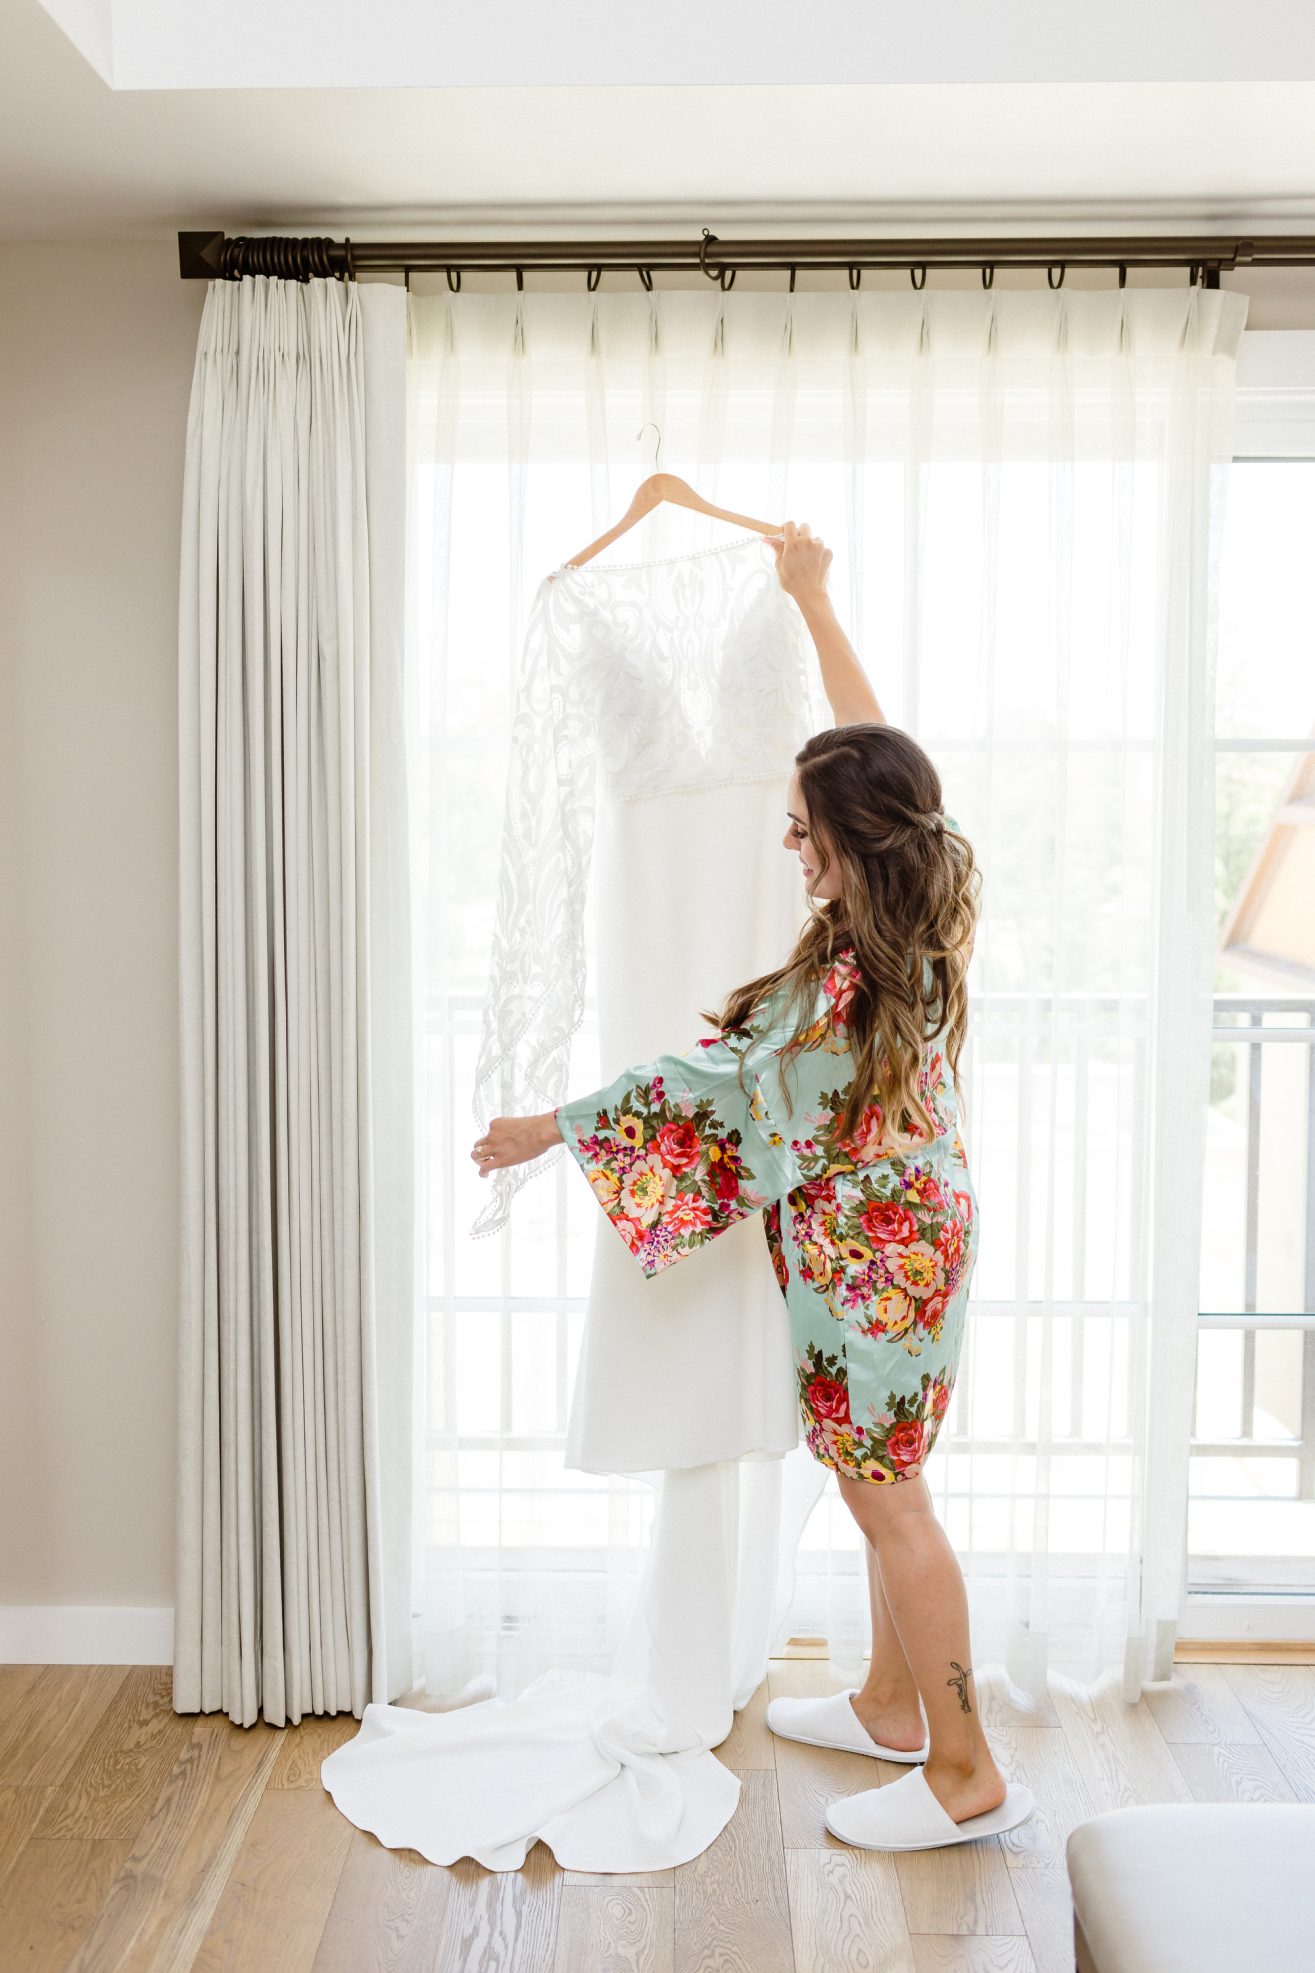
column 928, row 1604
column 887, row 1701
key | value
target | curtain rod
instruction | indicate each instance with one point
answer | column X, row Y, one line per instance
column 205, row 256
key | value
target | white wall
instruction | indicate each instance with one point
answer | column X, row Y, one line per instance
column 96, row 350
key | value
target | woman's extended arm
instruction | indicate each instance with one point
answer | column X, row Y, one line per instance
column 676, row 1150
column 802, row 560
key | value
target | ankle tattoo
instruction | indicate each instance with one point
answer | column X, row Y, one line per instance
column 960, row 1681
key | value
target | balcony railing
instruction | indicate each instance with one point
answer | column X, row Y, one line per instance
column 1276, row 1119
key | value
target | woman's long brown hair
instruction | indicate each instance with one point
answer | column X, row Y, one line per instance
column 908, row 906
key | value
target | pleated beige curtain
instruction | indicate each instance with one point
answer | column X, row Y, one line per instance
column 296, row 1011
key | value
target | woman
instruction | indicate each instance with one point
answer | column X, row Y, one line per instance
column 828, row 1100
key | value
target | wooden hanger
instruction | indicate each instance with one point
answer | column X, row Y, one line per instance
column 651, row 493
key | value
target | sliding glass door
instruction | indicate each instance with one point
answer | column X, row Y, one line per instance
column 1251, row 1517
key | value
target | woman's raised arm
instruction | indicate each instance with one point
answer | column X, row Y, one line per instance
column 802, row 560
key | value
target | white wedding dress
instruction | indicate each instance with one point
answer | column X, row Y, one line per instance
column 659, row 708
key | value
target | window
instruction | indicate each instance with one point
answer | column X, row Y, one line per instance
column 1251, row 1521
column 1053, row 1067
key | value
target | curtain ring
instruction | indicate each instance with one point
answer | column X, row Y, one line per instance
column 406, row 279
column 988, row 277
column 349, row 260
column 646, row 276
column 792, row 275
column 593, row 276
column 1123, row 273
column 703, row 253
column 520, row 279
column 454, row 285
column 855, row 276
column 725, row 284
column 923, row 271
column 1060, row 282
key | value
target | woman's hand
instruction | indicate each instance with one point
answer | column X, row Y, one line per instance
column 513, row 1140
column 802, row 560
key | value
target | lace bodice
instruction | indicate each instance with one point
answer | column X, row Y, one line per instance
column 684, row 673
column 691, row 670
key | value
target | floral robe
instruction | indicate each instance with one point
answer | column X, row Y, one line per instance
column 874, row 1250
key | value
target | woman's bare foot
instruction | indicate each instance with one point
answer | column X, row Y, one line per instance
column 962, row 1792
column 891, row 1725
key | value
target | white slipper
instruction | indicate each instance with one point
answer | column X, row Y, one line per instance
column 832, row 1722
column 905, row 1815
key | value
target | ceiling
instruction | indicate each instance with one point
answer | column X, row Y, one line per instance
column 79, row 160
column 407, row 44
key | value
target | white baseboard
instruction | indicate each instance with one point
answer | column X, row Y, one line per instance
column 1207, row 1618
column 68, row 1634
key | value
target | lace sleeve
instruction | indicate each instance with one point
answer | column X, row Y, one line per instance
column 535, row 996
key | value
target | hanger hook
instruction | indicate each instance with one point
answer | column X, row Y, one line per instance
column 657, row 450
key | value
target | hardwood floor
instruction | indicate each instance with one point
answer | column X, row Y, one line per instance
column 132, row 1837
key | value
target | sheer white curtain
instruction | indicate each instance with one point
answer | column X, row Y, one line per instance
column 1024, row 492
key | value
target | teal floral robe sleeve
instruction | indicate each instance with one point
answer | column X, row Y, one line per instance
column 676, row 1151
